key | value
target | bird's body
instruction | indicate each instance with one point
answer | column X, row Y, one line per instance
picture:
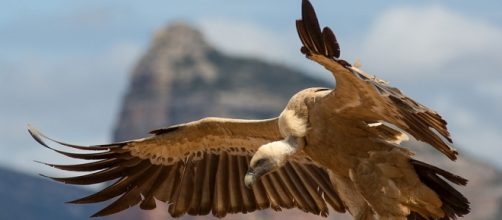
column 338, row 147
column 375, row 173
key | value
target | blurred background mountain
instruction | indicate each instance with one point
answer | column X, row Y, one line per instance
column 28, row 197
column 58, row 73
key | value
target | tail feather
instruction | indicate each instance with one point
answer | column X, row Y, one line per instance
column 454, row 203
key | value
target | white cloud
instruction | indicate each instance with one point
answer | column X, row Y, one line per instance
column 246, row 38
column 249, row 39
column 473, row 130
column 421, row 43
column 491, row 88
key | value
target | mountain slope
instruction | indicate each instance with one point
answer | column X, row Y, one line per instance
column 27, row 197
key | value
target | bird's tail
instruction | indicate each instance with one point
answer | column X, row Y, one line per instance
column 454, row 203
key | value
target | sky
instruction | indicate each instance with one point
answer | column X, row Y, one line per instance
column 65, row 65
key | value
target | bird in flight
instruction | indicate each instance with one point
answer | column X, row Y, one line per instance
column 333, row 149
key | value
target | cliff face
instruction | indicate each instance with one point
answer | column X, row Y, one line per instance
column 182, row 78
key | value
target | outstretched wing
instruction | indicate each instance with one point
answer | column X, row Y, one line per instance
column 361, row 96
column 197, row 168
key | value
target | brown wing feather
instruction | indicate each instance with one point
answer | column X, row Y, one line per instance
column 366, row 97
column 199, row 174
column 211, row 167
column 249, row 202
column 149, row 202
column 213, row 182
column 310, row 189
column 220, row 199
column 234, row 187
column 182, row 195
column 299, row 191
column 298, row 200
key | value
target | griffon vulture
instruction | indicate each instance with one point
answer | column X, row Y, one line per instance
column 335, row 148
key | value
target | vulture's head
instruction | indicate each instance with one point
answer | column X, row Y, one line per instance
column 268, row 157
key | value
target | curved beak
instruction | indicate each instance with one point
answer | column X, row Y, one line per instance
column 250, row 178
column 254, row 174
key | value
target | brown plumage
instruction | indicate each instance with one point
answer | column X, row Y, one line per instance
column 213, row 183
column 328, row 148
column 363, row 99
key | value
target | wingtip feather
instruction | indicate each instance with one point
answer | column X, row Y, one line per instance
column 97, row 214
column 52, row 178
column 312, row 28
column 44, row 176
column 46, row 164
column 313, row 39
column 37, row 135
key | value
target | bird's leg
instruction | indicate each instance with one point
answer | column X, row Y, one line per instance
column 271, row 156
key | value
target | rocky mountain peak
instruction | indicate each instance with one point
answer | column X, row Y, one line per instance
column 182, row 78
column 180, row 39
column 178, row 48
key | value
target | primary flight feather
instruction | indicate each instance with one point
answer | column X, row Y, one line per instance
column 328, row 148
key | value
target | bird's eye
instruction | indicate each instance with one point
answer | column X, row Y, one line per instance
column 260, row 162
